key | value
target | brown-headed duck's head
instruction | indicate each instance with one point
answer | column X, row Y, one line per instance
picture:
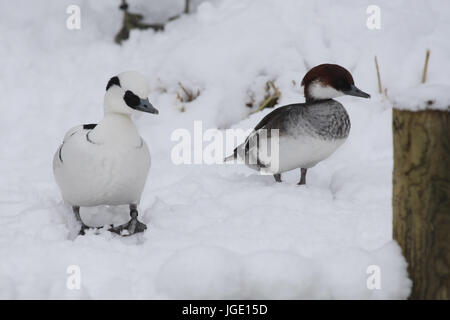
column 328, row 81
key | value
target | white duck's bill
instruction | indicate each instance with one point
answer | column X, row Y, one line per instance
column 146, row 106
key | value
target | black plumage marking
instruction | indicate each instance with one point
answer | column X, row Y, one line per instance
column 88, row 139
column 113, row 81
column 131, row 99
column 59, row 153
column 89, row 126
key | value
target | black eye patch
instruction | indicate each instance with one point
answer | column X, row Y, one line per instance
column 113, row 81
column 131, row 99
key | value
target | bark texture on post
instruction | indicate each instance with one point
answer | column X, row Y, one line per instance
column 421, row 193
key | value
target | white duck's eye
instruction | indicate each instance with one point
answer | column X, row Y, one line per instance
column 131, row 99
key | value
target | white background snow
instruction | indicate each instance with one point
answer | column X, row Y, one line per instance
column 215, row 231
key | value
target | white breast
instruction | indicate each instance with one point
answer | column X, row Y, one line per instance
column 303, row 152
column 111, row 173
column 300, row 152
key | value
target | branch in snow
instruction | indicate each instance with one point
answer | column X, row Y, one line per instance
column 133, row 21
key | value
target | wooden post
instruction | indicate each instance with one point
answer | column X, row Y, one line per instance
column 421, row 198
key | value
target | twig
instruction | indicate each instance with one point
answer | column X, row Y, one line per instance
column 425, row 67
column 272, row 99
column 265, row 103
column 186, row 92
column 188, row 96
column 380, row 87
column 277, row 92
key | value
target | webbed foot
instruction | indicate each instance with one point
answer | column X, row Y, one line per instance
column 85, row 227
column 131, row 227
column 76, row 211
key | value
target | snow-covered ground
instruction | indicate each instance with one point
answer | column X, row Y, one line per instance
column 215, row 231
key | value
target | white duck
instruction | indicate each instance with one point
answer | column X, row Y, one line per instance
column 107, row 163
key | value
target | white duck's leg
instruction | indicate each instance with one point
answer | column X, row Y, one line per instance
column 76, row 210
column 303, row 176
column 84, row 227
column 133, row 226
column 277, row 177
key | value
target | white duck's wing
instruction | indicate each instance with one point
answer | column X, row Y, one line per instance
column 74, row 130
column 58, row 158
column 64, row 160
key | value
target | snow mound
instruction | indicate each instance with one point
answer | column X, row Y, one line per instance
column 201, row 272
column 423, row 97
column 280, row 275
column 207, row 272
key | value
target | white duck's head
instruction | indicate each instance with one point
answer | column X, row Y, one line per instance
column 328, row 81
column 127, row 93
